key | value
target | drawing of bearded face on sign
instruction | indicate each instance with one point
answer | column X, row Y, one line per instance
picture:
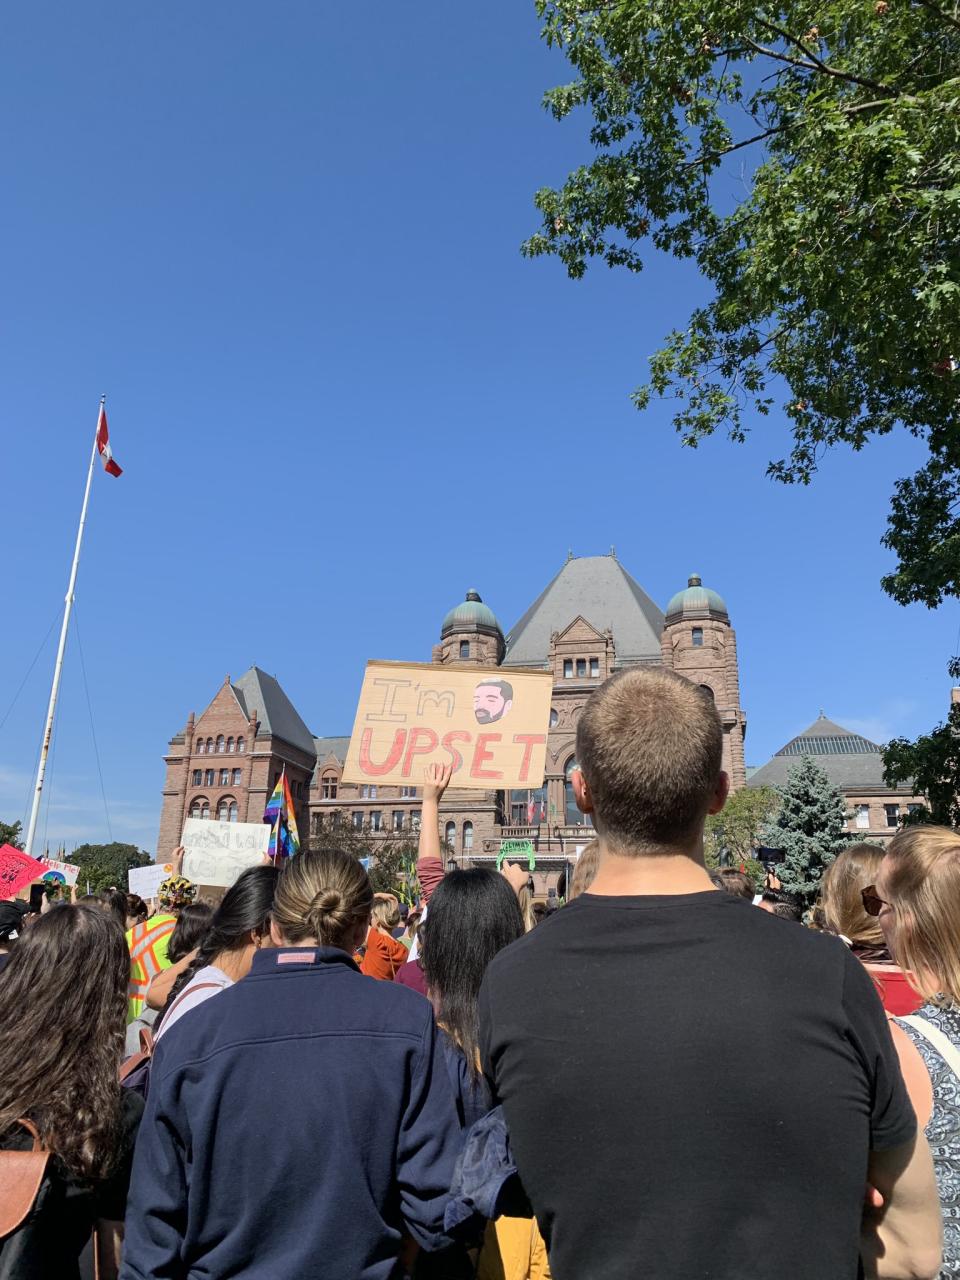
column 492, row 699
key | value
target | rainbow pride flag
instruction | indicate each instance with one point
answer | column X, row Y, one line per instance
column 279, row 813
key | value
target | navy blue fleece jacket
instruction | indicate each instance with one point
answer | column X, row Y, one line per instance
column 295, row 1124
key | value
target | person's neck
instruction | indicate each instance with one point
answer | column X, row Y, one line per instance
column 232, row 963
column 636, row 873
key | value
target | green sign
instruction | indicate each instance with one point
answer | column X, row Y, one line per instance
column 514, row 849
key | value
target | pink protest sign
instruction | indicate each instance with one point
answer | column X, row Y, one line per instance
column 17, row 869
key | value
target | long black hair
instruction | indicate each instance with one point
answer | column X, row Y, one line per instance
column 193, row 921
column 244, row 909
column 473, row 915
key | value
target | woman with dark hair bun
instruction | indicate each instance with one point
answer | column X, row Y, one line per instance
column 63, row 995
column 233, row 935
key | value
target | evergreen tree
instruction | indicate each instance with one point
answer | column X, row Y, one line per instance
column 810, row 827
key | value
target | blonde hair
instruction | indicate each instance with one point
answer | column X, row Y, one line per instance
column 386, row 911
column 922, row 880
column 649, row 744
column 322, row 896
column 852, row 869
column 587, row 866
column 525, row 899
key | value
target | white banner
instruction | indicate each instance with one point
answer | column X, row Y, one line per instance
column 218, row 852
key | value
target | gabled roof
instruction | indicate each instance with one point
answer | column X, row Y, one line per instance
column 260, row 693
column 600, row 590
column 327, row 747
column 849, row 760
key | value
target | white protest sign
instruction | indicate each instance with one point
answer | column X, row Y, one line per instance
column 145, row 881
column 59, row 872
column 218, row 852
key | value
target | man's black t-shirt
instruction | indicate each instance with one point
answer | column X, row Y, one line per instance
column 692, row 1088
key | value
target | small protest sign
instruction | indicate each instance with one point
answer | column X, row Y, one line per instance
column 17, row 870
column 146, row 881
column 59, row 872
column 517, row 849
column 218, row 852
column 489, row 724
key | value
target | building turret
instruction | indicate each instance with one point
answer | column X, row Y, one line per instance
column 699, row 643
column 471, row 633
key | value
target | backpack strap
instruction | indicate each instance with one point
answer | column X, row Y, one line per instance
column 933, row 1035
column 21, row 1176
column 183, row 994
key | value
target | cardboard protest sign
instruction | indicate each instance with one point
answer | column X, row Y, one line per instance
column 59, row 872
column 146, row 881
column 218, row 852
column 17, row 870
column 490, row 725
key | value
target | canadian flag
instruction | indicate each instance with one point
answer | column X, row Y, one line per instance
column 103, row 445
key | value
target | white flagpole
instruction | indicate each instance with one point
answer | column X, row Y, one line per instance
column 58, row 666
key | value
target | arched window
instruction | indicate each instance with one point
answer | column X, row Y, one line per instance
column 697, row 637
column 221, row 743
column 328, row 786
column 227, row 810
column 467, row 837
column 240, row 745
column 200, row 808
column 230, row 746
column 709, row 692
column 464, row 648
column 209, row 746
column 554, row 717
column 450, row 834
column 572, row 815
column 199, row 746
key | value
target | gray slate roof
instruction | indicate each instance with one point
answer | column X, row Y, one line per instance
column 326, row 747
column 600, row 590
column 849, row 760
column 260, row 693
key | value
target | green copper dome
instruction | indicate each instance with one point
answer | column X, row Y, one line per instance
column 696, row 601
column 472, row 615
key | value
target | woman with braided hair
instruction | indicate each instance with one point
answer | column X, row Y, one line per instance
column 236, row 933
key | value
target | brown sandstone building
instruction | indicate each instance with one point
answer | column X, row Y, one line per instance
column 591, row 620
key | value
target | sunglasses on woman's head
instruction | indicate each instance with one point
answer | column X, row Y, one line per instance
column 873, row 904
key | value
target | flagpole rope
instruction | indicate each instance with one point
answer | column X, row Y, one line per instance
column 93, row 731
column 36, row 659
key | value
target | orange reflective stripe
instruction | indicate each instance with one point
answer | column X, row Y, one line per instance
column 153, row 935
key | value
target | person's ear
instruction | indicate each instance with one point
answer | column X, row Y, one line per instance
column 721, row 791
column 276, row 937
column 581, row 792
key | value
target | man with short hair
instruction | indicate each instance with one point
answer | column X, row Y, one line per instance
column 604, row 1033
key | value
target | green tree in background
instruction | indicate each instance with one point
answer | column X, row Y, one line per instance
column 392, row 854
column 11, row 834
column 731, row 836
column 807, row 160
column 931, row 764
column 103, row 865
column 809, row 826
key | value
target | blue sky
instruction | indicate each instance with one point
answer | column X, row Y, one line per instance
column 284, row 239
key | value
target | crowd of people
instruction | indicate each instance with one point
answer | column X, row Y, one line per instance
column 669, row 1076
